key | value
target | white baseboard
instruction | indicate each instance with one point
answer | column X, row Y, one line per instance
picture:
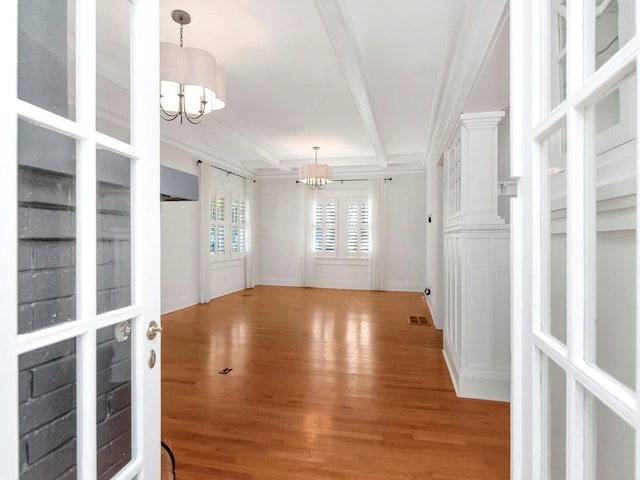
column 436, row 323
column 169, row 305
column 478, row 383
column 281, row 282
column 404, row 287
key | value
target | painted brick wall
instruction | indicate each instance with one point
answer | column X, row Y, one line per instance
column 47, row 277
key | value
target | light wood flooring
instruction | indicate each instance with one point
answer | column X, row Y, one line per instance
column 326, row 384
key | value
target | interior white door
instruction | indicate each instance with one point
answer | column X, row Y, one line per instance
column 80, row 259
column 575, row 372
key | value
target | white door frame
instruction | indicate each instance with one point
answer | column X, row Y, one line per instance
column 145, row 213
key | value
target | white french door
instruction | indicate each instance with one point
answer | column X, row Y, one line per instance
column 80, row 262
column 575, row 335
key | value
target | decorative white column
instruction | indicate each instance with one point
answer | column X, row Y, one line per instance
column 476, row 263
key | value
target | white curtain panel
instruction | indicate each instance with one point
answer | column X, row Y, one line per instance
column 308, row 276
column 250, row 257
column 206, row 185
column 377, row 270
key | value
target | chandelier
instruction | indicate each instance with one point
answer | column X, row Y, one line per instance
column 315, row 176
column 191, row 83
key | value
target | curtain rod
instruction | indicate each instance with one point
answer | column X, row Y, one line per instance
column 225, row 171
column 353, row 180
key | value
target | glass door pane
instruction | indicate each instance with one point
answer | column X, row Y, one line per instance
column 610, row 446
column 113, row 231
column 611, row 175
column 46, row 57
column 47, row 382
column 556, row 60
column 554, row 233
column 614, row 27
column 46, row 228
column 114, row 412
column 113, row 69
column 554, row 420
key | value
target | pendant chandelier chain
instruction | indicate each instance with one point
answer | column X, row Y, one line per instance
column 181, row 37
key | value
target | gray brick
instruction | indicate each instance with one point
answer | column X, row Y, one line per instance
column 105, row 355
column 101, row 408
column 25, row 318
column 114, row 275
column 47, row 354
column 103, row 302
column 25, row 255
column 103, row 381
column 105, row 335
column 71, row 474
column 114, row 251
column 113, row 456
column 54, row 254
column 117, row 374
column 44, row 440
column 53, row 465
column 121, row 372
column 114, row 426
column 120, row 297
column 24, row 382
column 23, row 452
column 46, row 223
column 114, row 226
column 113, row 299
column 40, row 411
column 113, row 198
column 40, row 186
column 54, row 312
column 54, row 375
column 119, row 399
column 46, row 284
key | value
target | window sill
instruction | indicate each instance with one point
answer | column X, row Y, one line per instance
column 219, row 264
column 342, row 261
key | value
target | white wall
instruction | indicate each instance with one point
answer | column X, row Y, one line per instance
column 282, row 237
column 179, row 240
column 406, row 236
column 281, row 232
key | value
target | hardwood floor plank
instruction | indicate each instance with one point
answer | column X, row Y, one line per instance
column 326, row 384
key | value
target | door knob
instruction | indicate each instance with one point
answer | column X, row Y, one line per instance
column 153, row 329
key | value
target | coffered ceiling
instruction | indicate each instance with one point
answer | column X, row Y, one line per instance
column 372, row 82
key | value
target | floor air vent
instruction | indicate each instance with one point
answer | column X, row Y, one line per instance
column 418, row 320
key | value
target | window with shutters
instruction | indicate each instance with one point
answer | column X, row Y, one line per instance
column 324, row 227
column 217, row 244
column 228, row 228
column 357, row 227
column 238, row 226
column 341, row 227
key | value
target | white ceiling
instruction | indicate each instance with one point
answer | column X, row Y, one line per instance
column 363, row 79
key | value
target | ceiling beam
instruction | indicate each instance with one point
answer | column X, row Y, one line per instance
column 247, row 144
column 340, row 32
column 177, row 134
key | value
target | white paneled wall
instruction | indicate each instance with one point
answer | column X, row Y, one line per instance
column 476, row 263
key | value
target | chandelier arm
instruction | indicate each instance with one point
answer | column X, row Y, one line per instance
column 167, row 116
column 194, row 120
